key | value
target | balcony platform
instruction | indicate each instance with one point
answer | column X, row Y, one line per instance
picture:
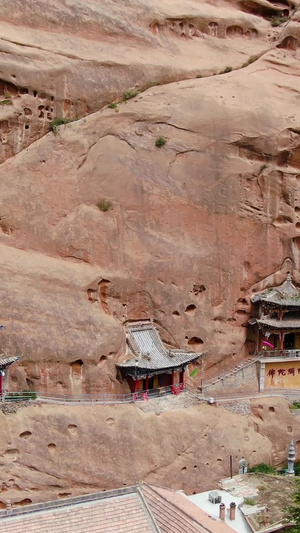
column 278, row 355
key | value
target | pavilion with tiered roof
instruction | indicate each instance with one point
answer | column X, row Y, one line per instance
column 278, row 317
column 277, row 324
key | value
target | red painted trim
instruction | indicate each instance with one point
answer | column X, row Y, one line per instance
column 281, row 340
column 147, row 383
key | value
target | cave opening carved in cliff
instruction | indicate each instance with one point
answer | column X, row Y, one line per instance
column 76, row 368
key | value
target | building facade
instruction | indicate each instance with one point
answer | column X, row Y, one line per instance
column 277, row 331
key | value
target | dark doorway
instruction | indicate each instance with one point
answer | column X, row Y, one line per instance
column 289, row 341
column 150, row 383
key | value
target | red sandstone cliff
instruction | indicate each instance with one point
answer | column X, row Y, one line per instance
column 193, row 226
column 48, row 452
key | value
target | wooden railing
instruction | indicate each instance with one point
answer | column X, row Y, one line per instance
column 221, row 378
column 108, row 398
column 280, row 353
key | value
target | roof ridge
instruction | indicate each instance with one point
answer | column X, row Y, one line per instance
column 147, row 509
column 175, row 505
column 287, row 290
column 157, row 340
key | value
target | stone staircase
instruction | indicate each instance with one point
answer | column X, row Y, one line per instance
column 227, row 379
column 170, row 402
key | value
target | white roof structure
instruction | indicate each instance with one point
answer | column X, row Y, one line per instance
column 212, row 509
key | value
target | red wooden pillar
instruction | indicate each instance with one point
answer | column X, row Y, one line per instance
column 183, row 374
column 147, row 383
column 136, row 385
column 173, row 377
column 281, row 340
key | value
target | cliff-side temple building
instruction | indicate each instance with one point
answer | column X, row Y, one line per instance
column 277, row 325
column 148, row 364
column 5, row 363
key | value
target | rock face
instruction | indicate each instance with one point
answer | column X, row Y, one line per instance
column 191, row 226
column 71, row 58
column 50, row 452
column 66, row 346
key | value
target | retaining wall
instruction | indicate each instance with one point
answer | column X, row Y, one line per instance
column 245, row 378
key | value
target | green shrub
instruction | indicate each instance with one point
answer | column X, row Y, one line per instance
column 59, row 121
column 129, row 94
column 6, row 102
column 150, row 84
column 20, row 396
column 281, row 471
column 292, row 513
column 104, row 204
column 262, row 468
column 277, row 21
column 297, row 468
column 112, row 105
column 7, row 94
column 29, row 394
column 262, row 488
column 295, row 405
column 251, row 59
column 160, row 142
column 199, row 76
column 227, row 69
column 249, row 501
column 262, row 168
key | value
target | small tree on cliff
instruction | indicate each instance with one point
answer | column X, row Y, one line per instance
column 292, row 513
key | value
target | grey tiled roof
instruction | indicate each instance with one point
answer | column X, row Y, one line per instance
column 173, row 512
column 273, row 323
column 124, row 513
column 140, row 509
column 286, row 295
column 5, row 361
column 148, row 351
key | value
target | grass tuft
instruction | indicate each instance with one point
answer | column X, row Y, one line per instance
column 277, row 21
column 129, row 94
column 295, row 405
column 251, row 59
column 226, row 70
column 262, row 168
column 249, row 501
column 160, row 142
column 149, row 85
column 59, row 121
column 6, row 102
column 104, row 204
column 262, row 468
